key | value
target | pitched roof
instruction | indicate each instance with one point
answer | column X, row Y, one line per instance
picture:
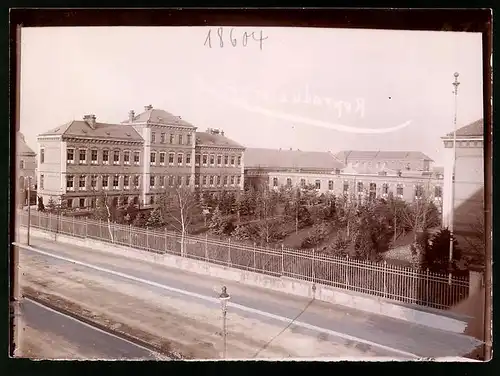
column 79, row 128
column 153, row 115
column 22, row 147
column 208, row 139
column 349, row 155
column 292, row 159
column 473, row 129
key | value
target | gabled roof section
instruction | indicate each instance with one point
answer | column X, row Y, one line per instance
column 158, row 116
column 208, row 139
column 475, row 129
column 79, row 128
column 351, row 155
column 22, row 147
column 291, row 159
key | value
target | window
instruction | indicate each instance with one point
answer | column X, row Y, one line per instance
column 346, row 187
column 238, row 179
column 93, row 181
column 41, row 181
column 232, row 180
column 162, row 138
column 188, row 139
column 218, row 180
column 211, row 180
column 136, row 181
column 212, row 160
column 399, row 190
column 232, row 160
column 373, row 191
column 360, row 187
column 419, row 191
column 116, row 157
column 69, row 182
column 136, row 157
column 126, row 182
column 162, row 181
column 152, row 181
column 105, row 181
column 92, row 203
column 153, row 137
column 153, row 158
column 385, row 188
column 317, row 184
column 303, row 183
column 93, row 156
column 69, row 202
column 115, row 182
column 82, row 156
column 82, row 203
column 151, row 200
column 136, row 200
column 162, row 159
column 275, row 182
column 180, row 158
column 180, row 139
column 105, row 157
column 330, row 185
column 42, row 155
column 179, row 180
column 225, row 180
column 204, row 180
column 81, row 183
column 187, row 180
column 239, row 160
column 205, row 159
column 219, row 160
column 197, row 159
column 226, row 160
column 188, row 159
column 197, row 180
column 126, row 157
column 171, row 159
column 438, row 191
column 171, row 139
column 288, row 182
column 21, row 165
column 171, row 180
column 125, row 200
column 70, row 156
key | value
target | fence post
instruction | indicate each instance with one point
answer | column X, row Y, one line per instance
column 385, row 278
column 313, row 275
column 229, row 252
column 85, row 223
column 130, row 235
column 50, row 222
column 282, row 260
column 347, row 272
column 73, row 221
column 165, row 236
column 206, row 246
column 427, row 287
column 100, row 229
column 147, row 238
column 254, row 263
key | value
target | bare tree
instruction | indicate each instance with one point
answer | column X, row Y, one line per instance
column 178, row 206
column 266, row 211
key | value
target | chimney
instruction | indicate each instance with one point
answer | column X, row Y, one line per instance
column 222, row 133
column 148, row 107
column 131, row 115
column 90, row 120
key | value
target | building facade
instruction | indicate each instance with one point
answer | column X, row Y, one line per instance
column 394, row 160
column 26, row 169
column 134, row 161
column 464, row 192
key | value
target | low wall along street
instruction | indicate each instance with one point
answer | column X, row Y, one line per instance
column 419, row 315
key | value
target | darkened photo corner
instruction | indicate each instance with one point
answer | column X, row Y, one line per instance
column 237, row 193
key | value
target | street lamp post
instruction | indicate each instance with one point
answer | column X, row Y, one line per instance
column 29, row 208
column 452, row 193
column 224, row 297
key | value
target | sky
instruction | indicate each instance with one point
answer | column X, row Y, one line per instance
column 301, row 88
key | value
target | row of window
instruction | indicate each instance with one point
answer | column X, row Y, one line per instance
column 127, row 157
column 172, row 138
column 217, row 180
column 419, row 189
column 81, row 180
column 91, row 201
column 171, row 157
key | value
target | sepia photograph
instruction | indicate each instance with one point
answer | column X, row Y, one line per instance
column 250, row 193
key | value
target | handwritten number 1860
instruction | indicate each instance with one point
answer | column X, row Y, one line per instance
column 234, row 41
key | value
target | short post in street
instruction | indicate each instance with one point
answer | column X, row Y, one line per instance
column 224, row 298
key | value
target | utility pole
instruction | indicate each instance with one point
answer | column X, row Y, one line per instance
column 224, row 297
column 452, row 193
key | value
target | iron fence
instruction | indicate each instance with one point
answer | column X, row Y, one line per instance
column 402, row 284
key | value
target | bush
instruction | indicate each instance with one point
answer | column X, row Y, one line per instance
column 318, row 234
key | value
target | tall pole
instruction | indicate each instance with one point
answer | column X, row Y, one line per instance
column 452, row 192
column 224, row 297
column 29, row 209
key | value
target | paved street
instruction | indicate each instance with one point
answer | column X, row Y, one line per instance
column 77, row 339
column 369, row 329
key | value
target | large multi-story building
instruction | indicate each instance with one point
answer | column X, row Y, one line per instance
column 135, row 160
column 394, row 160
column 26, row 168
column 465, row 193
